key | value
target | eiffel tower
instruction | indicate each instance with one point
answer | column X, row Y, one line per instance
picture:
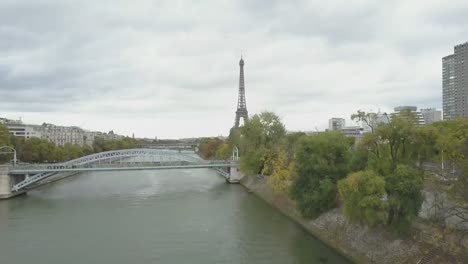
column 241, row 104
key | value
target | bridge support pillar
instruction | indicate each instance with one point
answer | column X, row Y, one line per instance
column 235, row 174
column 6, row 182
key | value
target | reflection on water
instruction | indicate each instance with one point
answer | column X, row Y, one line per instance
column 174, row 216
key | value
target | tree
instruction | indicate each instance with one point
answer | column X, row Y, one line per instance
column 392, row 144
column 208, row 147
column 223, row 152
column 398, row 137
column 282, row 173
column 260, row 140
column 363, row 196
column 321, row 160
column 5, row 140
column 403, row 189
column 368, row 118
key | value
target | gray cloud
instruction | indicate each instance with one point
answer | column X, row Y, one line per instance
column 169, row 68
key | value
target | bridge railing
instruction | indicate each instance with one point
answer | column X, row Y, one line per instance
column 116, row 164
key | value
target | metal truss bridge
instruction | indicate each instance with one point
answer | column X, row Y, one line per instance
column 120, row 160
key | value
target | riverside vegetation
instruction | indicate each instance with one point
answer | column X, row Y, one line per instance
column 377, row 181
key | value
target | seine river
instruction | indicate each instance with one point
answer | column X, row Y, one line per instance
column 174, row 216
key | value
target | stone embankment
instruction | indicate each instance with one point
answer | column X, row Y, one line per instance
column 6, row 182
column 360, row 244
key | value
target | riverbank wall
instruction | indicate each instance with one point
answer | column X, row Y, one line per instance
column 6, row 183
column 360, row 244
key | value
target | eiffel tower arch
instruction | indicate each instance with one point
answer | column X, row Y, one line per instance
column 241, row 111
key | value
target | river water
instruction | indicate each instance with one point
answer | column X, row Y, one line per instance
column 173, row 216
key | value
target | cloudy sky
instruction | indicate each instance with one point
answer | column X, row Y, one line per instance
column 169, row 68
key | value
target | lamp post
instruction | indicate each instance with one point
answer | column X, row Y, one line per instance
column 7, row 152
column 386, row 115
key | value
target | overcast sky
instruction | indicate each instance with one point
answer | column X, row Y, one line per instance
column 170, row 68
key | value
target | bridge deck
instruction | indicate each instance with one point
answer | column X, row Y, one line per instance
column 120, row 168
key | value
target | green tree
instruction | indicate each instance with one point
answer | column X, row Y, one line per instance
column 368, row 118
column 5, row 140
column 223, row 152
column 404, row 194
column 208, row 147
column 363, row 196
column 321, row 160
column 398, row 138
column 260, row 140
column 87, row 150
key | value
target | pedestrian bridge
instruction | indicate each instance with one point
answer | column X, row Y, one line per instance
column 122, row 160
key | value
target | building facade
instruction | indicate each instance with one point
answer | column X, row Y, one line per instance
column 58, row 135
column 353, row 131
column 61, row 135
column 18, row 129
column 413, row 109
column 431, row 115
column 455, row 83
column 336, row 124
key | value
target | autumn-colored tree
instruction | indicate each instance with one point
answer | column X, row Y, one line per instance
column 260, row 140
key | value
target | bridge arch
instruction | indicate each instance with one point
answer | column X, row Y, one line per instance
column 164, row 156
column 159, row 155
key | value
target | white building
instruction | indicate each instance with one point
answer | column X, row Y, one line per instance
column 413, row 109
column 61, row 135
column 336, row 124
column 353, row 131
column 431, row 115
column 18, row 129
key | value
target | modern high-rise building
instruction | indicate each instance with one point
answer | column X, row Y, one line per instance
column 336, row 123
column 455, row 83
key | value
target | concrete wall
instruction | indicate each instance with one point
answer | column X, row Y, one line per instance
column 5, row 182
column 235, row 174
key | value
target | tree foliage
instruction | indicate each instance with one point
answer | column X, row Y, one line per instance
column 209, row 148
column 320, row 161
column 282, row 173
column 393, row 153
column 363, row 194
column 5, row 140
column 404, row 194
column 260, row 140
column 42, row 151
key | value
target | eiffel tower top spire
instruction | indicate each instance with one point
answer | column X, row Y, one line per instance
column 241, row 103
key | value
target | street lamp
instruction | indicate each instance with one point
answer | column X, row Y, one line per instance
column 8, row 152
column 386, row 115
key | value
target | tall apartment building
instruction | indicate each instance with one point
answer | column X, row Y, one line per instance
column 455, row 83
column 336, row 123
column 431, row 115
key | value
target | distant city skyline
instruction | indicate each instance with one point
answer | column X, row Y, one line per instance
column 170, row 70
